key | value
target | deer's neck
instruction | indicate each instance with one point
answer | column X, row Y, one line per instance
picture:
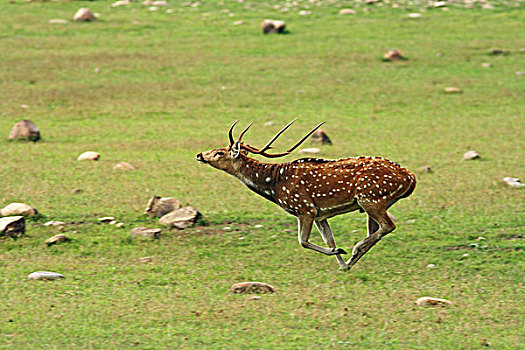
column 262, row 178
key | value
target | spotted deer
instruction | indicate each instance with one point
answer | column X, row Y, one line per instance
column 314, row 190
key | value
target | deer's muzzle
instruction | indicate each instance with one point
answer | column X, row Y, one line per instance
column 200, row 158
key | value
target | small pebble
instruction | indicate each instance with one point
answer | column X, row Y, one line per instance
column 44, row 275
column 431, row 266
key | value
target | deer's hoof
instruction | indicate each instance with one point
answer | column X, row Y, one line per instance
column 338, row 251
column 344, row 268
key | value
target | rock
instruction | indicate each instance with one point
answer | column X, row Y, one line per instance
column 238, row 23
column 252, row 287
column 106, row 219
column 347, row 12
column 321, row 137
column 369, row 2
column 487, row 6
column 425, row 169
column 429, row 301
column 431, row 266
column 497, row 52
column 152, row 233
column 181, row 218
column 394, row 55
column 162, row 3
column 255, row 297
column 146, row 259
column 58, row 21
column 452, row 90
column 414, row 15
column 76, row 190
column 57, row 239
column 486, row 65
column 310, row 150
column 18, row 209
column 305, row 13
column 440, row 4
column 25, row 130
column 120, row 3
column 160, row 206
column 12, row 226
column 84, row 14
column 90, row 155
column 54, row 223
column 272, row 26
column 513, row 182
column 470, row 155
column 153, row 8
column 44, row 275
column 119, row 224
column 123, row 166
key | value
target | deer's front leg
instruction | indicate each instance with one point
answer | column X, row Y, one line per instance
column 328, row 238
column 305, row 228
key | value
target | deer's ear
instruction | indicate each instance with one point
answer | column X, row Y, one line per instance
column 235, row 149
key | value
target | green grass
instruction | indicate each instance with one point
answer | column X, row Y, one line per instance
column 168, row 88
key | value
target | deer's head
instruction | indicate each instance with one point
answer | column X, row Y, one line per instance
column 227, row 158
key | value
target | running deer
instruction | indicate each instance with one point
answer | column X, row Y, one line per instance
column 314, row 190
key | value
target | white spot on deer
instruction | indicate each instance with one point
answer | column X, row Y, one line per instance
column 257, row 175
column 281, row 171
column 268, row 179
column 284, row 188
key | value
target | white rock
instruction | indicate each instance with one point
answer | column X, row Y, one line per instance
column 159, row 3
column 159, row 206
column 58, row 21
column 452, row 90
column 90, row 155
column 145, row 259
column 145, row 232
column 12, row 226
column 414, row 15
column 430, row 301
column 44, row 275
column 84, row 14
column 181, row 218
column 440, row 4
column 470, row 155
column 107, row 219
column 57, row 239
column 258, row 226
column 513, row 182
column 486, row 65
column 119, row 224
column 54, row 223
column 347, row 12
column 310, row 150
column 123, row 166
column 18, row 209
column 238, row 23
column 120, row 3
column 305, row 13
column 431, row 266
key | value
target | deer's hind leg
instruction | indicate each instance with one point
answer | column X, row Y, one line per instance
column 326, row 233
column 377, row 218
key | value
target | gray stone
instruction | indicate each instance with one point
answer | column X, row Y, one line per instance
column 54, row 223
column 159, row 206
column 18, row 209
column 25, row 130
column 252, row 287
column 44, row 276
column 12, row 226
column 107, row 219
column 144, row 232
column 181, row 218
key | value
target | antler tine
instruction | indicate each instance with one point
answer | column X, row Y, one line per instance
column 230, row 135
column 304, row 138
column 267, row 146
column 242, row 133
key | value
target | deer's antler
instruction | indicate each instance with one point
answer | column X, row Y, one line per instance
column 263, row 150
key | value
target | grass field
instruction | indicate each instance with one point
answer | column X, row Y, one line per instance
column 155, row 88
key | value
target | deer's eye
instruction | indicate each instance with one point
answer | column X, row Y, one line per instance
column 219, row 153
